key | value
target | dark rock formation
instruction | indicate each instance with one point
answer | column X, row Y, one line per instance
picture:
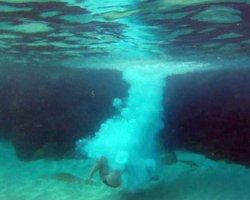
column 209, row 112
column 44, row 110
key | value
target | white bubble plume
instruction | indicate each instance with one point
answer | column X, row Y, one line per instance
column 128, row 140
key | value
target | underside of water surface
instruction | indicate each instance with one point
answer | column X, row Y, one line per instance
column 159, row 88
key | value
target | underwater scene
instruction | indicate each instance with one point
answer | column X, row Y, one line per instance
column 124, row 100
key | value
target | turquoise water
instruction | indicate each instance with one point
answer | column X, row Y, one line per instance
column 45, row 46
column 44, row 180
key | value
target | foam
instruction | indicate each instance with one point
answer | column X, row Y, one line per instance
column 128, row 139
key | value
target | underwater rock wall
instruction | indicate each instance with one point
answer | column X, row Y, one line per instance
column 209, row 112
column 44, row 110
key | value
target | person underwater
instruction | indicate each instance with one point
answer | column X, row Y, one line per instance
column 113, row 178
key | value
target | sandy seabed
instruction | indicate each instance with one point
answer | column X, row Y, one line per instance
column 63, row 180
